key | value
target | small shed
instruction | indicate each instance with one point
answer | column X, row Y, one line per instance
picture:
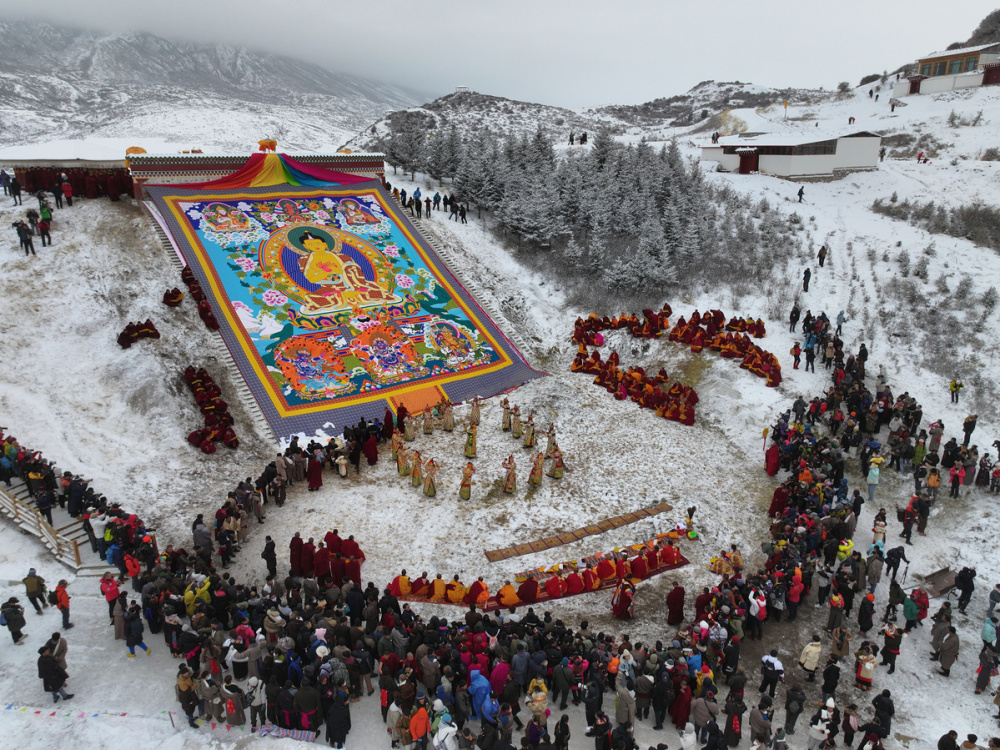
column 795, row 156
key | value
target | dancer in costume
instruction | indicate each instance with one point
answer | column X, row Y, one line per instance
column 449, row 418
column 408, row 435
column 535, row 476
column 510, row 480
column 470, row 440
column 403, row 462
column 551, row 442
column 556, row 469
column 397, row 443
column 465, row 488
column 505, row 422
column 428, row 422
column 515, row 421
column 416, row 473
column 430, row 469
column 474, row 415
column 529, row 431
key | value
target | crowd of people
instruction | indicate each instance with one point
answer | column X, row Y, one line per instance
column 420, row 204
column 36, row 222
column 814, row 530
column 299, row 650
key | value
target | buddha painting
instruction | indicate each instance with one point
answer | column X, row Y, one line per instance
column 329, row 273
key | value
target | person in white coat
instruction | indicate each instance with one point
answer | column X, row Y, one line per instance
column 809, row 658
column 447, row 735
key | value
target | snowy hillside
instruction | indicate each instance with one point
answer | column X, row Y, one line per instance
column 58, row 83
column 919, row 297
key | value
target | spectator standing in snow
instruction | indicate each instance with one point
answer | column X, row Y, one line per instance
column 34, row 588
column 15, row 191
column 793, row 318
column 13, row 615
column 806, row 275
column 67, row 191
column 802, row 192
column 4, row 181
column 462, row 211
column 62, row 603
column 53, row 676
column 454, row 210
column 822, row 255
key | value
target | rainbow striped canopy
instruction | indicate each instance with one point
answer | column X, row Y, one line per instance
column 265, row 170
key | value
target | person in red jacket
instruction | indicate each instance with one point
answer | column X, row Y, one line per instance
column 67, row 191
column 109, row 587
column 62, row 603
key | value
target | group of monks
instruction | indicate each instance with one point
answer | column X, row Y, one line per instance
column 218, row 420
column 731, row 340
column 204, row 309
column 608, row 571
column 173, row 297
column 91, row 183
column 333, row 559
column 439, row 590
column 134, row 332
column 675, row 403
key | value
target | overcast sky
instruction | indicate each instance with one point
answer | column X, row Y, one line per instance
column 570, row 53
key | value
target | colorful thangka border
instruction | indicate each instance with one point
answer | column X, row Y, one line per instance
column 333, row 306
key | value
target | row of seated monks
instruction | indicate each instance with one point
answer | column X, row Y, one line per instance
column 607, row 571
column 732, row 339
column 198, row 294
column 218, row 420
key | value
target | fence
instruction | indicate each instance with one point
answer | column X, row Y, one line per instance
column 30, row 519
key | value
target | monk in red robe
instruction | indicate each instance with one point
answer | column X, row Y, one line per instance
column 574, row 583
column 420, row 585
column 350, row 548
column 352, row 570
column 590, row 579
column 306, row 558
column 771, row 458
column 337, row 569
column 639, row 569
column 528, row 591
column 333, row 542
column 670, row 555
column 321, row 562
column 400, row 585
column 295, row 558
column 605, row 570
column 478, row 593
column 555, row 587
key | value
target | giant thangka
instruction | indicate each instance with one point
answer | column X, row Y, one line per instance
column 330, row 302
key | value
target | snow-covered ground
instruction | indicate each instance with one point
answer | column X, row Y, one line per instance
column 120, row 418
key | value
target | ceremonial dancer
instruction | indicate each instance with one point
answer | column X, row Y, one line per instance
column 556, row 469
column 550, row 443
column 449, row 418
column 416, row 473
column 474, row 414
column 505, row 422
column 529, row 431
column 535, row 477
column 403, row 465
column 465, row 488
column 515, row 421
column 622, row 606
column 408, row 435
column 430, row 469
column 428, row 418
column 510, row 480
column 470, row 440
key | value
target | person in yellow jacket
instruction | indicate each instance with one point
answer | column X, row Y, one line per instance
column 193, row 592
column 844, row 549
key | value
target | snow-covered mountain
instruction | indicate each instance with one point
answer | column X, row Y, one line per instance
column 58, row 83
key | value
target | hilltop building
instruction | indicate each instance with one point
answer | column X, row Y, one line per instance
column 795, row 156
column 966, row 67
